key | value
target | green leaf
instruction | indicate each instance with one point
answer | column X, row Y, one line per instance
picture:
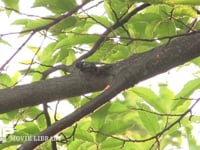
column 10, row 144
column 171, row 2
column 98, row 118
column 9, row 116
column 70, row 58
column 108, row 49
column 196, row 61
column 75, row 145
column 195, row 118
column 84, row 135
column 149, row 96
column 187, row 90
column 66, row 24
column 75, row 101
column 109, row 11
column 5, row 42
column 73, row 40
column 61, row 55
column 183, row 2
column 185, row 11
column 20, row 22
column 131, row 98
column 116, row 126
column 46, row 57
column 110, row 143
column 37, row 115
column 32, row 24
column 191, row 139
column 149, row 120
column 5, row 80
column 164, row 28
column 13, row 4
column 118, row 107
column 81, row 145
column 166, row 98
column 104, row 20
column 57, row 7
column 27, row 128
column 113, row 125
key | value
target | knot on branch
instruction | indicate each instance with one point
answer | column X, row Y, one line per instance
column 94, row 68
column 87, row 66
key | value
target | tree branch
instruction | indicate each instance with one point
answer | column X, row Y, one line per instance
column 75, row 84
column 127, row 73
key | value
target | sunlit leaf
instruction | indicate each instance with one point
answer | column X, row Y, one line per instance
column 4, row 42
column 84, row 135
column 115, row 126
column 66, row 24
column 5, row 80
column 98, row 118
column 171, row 2
column 166, row 98
column 69, row 41
column 149, row 96
column 118, row 107
column 111, row 143
column 150, row 121
column 13, row 4
column 184, row 11
column 57, row 7
column 184, row 94
column 164, row 28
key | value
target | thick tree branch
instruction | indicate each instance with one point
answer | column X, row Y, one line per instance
column 129, row 72
column 134, row 69
column 49, row 90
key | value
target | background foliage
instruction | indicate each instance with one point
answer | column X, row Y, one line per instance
column 140, row 117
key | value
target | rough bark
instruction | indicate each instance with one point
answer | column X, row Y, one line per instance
column 129, row 71
column 50, row 90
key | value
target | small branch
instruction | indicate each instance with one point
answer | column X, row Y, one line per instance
column 56, row 109
column 95, row 5
column 55, row 68
column 17, row 51
column 155, row 113
column 28, row 15
column 191, row 28
column 35, row 118
column 54, row 22
column 48, row 122
column 103, row 38
column 154, row 39
column 32, row 61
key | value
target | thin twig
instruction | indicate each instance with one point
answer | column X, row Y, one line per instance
column 103, row 38
column 28, row 15
column 17, row 51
